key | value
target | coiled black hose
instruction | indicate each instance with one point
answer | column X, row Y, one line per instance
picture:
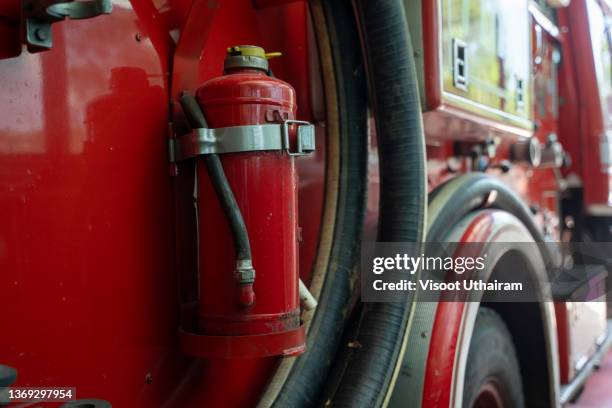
column 379, row 330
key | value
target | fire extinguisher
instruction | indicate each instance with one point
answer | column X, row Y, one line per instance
column 246, row 136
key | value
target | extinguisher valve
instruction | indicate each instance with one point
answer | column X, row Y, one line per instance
column 245, row 276
column 246, row 295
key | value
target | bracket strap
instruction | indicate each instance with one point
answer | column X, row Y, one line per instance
column 236, row 139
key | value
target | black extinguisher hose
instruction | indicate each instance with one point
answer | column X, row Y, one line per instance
column 242, row 246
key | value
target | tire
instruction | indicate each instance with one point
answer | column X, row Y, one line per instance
column 492, row 363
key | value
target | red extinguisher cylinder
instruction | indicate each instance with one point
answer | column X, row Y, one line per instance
column 264, row 184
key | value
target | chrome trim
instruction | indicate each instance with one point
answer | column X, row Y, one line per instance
column 486, row 111
column 543, row 21
column 600, row 210
column 569, row 391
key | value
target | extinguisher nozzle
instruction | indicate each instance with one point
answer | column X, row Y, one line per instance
column 247, row 295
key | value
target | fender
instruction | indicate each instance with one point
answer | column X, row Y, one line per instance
column 439, row 334
column 489, row 226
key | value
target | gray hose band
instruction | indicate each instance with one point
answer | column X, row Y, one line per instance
column 238, row 139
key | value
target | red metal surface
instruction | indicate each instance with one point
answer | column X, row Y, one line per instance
column 86, row 206
column 86, row 239
column 441, row 358
column 10, row 9
column 261, row 4
column 10, row 46
column 569, row 111
column 563, row 341
column 288, row 344
column 540, row 186
column 87, row 279
column 206, row 33
column 265, row 187
column 437, row 385
column 582, row 123
column 431, row 29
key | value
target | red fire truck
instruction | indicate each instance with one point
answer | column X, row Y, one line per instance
column 185, row 187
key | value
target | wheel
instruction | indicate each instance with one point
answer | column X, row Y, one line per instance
column 492, row 378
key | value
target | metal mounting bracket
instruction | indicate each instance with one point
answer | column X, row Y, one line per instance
column 41, row 14
column 239, row 139
column 305, row 137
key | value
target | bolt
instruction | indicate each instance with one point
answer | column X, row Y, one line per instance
column 138, row 37
column 505, row 166
column 453, row 165
column 354, row 344
column 40, row 34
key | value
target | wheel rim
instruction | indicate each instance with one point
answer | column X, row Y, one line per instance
column 489, row 396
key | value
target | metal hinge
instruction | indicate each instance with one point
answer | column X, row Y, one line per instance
column 238, row 139
column 40, row 14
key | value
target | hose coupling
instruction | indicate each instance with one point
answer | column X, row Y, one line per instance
column 244, row 275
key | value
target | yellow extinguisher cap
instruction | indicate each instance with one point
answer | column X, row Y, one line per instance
column 248, row 56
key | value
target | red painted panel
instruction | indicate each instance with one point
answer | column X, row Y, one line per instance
column 10, row 9
column 563, row 341
column 584, row 101
column 86, row 235
column 87, row 249
column 433, row 90
column 437, row 385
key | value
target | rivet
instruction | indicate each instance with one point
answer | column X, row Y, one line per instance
column 40, row 34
